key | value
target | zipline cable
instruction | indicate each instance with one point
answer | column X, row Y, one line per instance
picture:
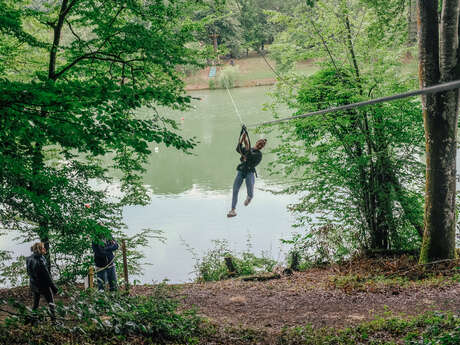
column 431, row 89
column 234, row 104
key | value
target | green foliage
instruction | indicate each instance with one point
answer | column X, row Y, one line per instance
column 430, row 328
column 354, row 170
column 256, row 30
column 220, row 19
column 321, row 244
column 333, row 165
column 228, row 76
column 212, row 267
column 92, row 315
column 241, row 24
column 212, row 84
column 69, row 99
column 13, row 272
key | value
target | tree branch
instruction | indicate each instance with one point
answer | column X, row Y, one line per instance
column 67, row 10
column 73, row 32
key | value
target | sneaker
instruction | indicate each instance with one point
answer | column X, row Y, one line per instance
column 247, row 201
column 232, row 213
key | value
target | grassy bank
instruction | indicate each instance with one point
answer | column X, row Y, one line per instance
column 248, row 71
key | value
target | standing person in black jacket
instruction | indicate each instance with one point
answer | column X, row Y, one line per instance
column 105, row 263
column 41, row 282
column 250, row 158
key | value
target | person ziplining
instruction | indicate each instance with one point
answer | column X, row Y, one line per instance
column 250, row 157
column 246, row 170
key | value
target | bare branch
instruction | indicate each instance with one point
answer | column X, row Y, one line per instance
column 73, row 32
column 67, row 10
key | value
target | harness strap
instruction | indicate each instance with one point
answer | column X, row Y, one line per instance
column 243, row 131
column 100, row 269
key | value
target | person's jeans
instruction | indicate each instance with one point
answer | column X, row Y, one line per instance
column 109, row 275
column 250, row 180
column 48, row 294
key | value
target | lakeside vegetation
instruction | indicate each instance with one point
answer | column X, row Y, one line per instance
column 377, row 179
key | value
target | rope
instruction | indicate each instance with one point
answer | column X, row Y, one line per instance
column 432, row 89
column 100, row 269
column 234, row 104
column 275, row 72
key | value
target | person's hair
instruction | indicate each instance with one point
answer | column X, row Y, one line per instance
column 37, row 247
column 264, row 140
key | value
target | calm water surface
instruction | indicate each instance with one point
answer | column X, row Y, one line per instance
column 192, row 193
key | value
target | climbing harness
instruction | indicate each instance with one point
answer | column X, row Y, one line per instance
column 243, row 131
column 100, row 269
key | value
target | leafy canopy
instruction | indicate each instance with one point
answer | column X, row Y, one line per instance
column 70, row 101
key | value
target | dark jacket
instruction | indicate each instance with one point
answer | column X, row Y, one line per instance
column 103, row 253
column 40, row 277
column 253, row 158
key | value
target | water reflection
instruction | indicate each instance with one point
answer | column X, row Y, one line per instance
column 197, row 217
column 192, row 193
column 214, row 123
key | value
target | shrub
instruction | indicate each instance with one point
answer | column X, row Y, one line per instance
column 95, row 314
column 212, row 84
column 211, row 267
column 324, row 244
column 228, row 76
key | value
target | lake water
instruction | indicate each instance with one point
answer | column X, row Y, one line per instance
column 192, row 193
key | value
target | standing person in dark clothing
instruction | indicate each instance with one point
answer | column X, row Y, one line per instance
column 250, row 158
column 41, row 282
column 105, row 263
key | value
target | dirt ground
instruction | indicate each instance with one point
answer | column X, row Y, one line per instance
column 301, row 298
column 307, row 298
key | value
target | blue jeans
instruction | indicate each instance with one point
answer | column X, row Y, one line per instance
column 250, row 180
column 109, row 275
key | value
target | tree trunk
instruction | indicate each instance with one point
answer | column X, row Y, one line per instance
column 413, row 214
column 384, row 201
column 412, row 22
column 38, row 159
column 38, row 189
column 379, row 204
column 438, row 63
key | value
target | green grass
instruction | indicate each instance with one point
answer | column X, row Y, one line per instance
column 427, row 329
column 355, row 282
column 433, row 328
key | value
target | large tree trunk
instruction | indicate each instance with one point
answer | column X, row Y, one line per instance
column 437, row 63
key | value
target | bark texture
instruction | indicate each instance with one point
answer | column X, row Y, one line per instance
column 438, row 60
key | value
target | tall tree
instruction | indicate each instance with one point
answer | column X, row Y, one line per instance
column 76, row 101
column 222, row 26
column 257, row 31
column 439, row 62
column 357, row 166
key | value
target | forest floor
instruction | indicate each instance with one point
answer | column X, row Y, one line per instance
column 325, row 300
column 335, row 296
